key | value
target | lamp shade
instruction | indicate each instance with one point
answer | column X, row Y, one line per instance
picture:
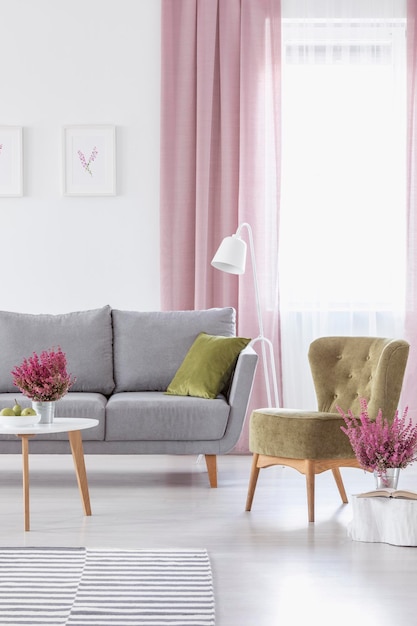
column 231, row 255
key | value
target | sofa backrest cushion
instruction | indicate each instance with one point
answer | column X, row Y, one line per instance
column 84, row 336
column 149, row 347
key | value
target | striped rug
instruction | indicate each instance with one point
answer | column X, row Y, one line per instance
column 80, row 587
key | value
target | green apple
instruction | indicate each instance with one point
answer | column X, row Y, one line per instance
column 28, row 411
column 17, row 409
column 7, row 411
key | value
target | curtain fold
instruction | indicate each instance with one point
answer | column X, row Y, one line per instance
column 220, row 157
column 409, row 393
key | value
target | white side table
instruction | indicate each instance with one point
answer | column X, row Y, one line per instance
column 72, row 426
column 385, row 520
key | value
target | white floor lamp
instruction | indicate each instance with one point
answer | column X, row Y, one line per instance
column 231, row 258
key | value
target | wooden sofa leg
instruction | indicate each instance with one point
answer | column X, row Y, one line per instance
column 211, row 462
column 252, row 482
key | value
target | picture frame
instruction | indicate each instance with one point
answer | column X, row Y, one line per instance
column 89, row 160
column 11, row 161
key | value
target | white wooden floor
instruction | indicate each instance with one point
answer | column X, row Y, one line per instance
column 270, row 566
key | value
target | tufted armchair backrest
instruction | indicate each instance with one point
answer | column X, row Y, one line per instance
column 346, row 369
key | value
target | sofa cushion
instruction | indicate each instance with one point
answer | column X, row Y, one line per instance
column 154, row 416
column 149, row 347
column 91, row 405
column 84, row 336
column 207, row 366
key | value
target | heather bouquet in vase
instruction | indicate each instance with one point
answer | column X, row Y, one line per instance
column 381, row 445
column 44, row 378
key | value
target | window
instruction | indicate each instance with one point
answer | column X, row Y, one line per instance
column 342, row 223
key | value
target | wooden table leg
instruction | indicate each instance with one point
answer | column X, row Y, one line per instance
column 77, row 450
column 25, row 461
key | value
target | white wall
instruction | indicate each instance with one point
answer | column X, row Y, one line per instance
column 81, row 62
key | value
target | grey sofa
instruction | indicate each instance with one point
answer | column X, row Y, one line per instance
column 123, row 362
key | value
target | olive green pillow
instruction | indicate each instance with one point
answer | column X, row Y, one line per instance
column 207, row 366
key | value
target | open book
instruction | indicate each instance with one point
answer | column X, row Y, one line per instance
column 389, row 493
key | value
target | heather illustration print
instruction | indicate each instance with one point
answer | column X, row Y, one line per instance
column 89, row 161
column 86, row 164
column 11, row 177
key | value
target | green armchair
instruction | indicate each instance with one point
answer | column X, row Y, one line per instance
column 344, row 370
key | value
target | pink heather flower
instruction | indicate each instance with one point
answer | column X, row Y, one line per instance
column 378, row 444
column 82, row 159
column 44, row 378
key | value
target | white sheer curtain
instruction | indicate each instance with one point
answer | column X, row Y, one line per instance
column 342, row 226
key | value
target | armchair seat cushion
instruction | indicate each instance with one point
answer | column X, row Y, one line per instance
column 295, row 434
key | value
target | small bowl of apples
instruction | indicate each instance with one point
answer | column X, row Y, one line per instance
column 16, row 416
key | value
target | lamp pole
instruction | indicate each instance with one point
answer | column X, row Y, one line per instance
column 267, row 350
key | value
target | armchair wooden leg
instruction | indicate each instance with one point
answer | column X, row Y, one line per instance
column 252, row 481
column 211, row 462
column 340, row 485
column 310, row 482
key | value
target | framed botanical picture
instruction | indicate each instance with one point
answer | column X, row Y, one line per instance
column 89, row 160
column 11, row 161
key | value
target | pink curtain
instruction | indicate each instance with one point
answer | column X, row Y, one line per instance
column 409, row 393
column 220, row 160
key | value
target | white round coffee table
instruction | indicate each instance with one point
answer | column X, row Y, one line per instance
column 71, row 425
